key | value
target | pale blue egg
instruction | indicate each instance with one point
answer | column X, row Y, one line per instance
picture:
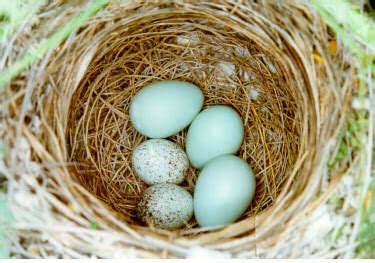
column 164, row 108
column 215, row 131
column 223, row 191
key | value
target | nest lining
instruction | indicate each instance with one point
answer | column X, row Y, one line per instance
column 229, row 68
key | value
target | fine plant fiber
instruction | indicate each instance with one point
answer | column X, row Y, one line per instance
column 101, row 138
column 66, row 123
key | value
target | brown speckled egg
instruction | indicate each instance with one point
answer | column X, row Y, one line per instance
column 166, row 206
column 160, row 161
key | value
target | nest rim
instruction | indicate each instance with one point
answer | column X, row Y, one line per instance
column 261, row 223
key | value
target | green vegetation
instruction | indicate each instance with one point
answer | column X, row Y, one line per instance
column 94, row 225
column 14, row 13
column 366, row 237
column 357, row 32
column 352, row 27
column 48, row 43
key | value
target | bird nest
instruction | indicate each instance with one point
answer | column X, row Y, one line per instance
column 69, row 133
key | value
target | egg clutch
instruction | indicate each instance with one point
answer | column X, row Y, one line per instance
column 225, row 184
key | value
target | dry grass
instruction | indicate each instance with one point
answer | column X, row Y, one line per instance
column 229, row 68
column 290, row 88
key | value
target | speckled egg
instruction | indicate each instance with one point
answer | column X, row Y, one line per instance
column 160, row 161
column 166, row 206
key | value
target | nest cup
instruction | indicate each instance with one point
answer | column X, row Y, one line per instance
column 270, row 62
column 230, row 69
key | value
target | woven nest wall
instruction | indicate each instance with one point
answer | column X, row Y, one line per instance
column 70, row 139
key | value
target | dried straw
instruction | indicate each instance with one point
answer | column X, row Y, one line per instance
column 69, row 116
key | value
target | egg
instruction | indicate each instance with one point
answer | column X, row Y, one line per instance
column 160, row 161
column 215, row 131
column 223, row 191
column 166, row 206
column 164, row 108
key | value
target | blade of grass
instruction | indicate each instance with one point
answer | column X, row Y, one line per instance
column 14, row 13
column 51, row 42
